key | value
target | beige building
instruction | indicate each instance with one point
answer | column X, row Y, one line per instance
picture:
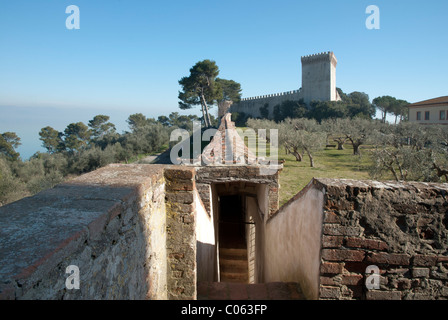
column 432, row 111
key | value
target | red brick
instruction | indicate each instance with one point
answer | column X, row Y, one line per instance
column 383, row 295
column 332, row 241
column 388, row 258
column 176, row 174
column 353, row 280
column 342, row 255
column 340, row 230
column 424, row 260
column 330, row 292
column 331, row 268
column 329, row 281
column 180, row 185
column 366, row 243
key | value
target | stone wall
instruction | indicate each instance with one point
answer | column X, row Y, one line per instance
column 119, row 225
column 399, row 227
column 147, row 232
column 106, row 223
column 251, row 106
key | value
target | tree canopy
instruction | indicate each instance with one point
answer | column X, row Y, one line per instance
column 203, row 87
column 388, row 104
column 199, row 88
column 231, row 90
column 9, row 141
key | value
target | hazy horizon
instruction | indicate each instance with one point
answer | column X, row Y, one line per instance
column 128, row 57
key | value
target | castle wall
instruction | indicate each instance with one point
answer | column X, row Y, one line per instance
column 318, row 83
column 251, row 106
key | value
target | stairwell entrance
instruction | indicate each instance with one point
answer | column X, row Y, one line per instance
column 236, row 230
column 233, row 263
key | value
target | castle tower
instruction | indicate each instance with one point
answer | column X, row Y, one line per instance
column 319, row 77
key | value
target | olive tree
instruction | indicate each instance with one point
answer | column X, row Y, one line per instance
column 302, row 136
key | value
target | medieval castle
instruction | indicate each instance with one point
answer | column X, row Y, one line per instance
column 318, row 83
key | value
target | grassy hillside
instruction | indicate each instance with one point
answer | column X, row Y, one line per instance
column 329, row 163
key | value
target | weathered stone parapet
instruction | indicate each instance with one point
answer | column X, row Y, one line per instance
column 399, row 227
column 130, row 229
column 105, row 223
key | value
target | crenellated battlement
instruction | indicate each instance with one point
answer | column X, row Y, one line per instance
column 320, row 57
column 272, row 95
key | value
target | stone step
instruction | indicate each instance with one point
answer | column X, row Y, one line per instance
column 233, row 265
column 244, row 291
column 234, row 277
column 232, row 254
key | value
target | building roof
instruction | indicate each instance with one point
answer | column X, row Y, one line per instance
column 430, row 102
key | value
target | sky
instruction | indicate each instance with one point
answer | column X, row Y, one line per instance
column 128, row 56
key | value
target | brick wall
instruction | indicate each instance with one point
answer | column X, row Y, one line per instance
column 181, row 233
column 399, row 227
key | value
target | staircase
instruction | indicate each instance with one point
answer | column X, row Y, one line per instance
column 245, row 291
column 233, row 265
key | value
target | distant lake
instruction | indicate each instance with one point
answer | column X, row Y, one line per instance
column 27, row 122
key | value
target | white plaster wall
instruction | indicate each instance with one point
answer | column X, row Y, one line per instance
column 205, row 242
column 293, row 243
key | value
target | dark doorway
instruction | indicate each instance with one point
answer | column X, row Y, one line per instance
column 231, row 222
column 233, row 263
